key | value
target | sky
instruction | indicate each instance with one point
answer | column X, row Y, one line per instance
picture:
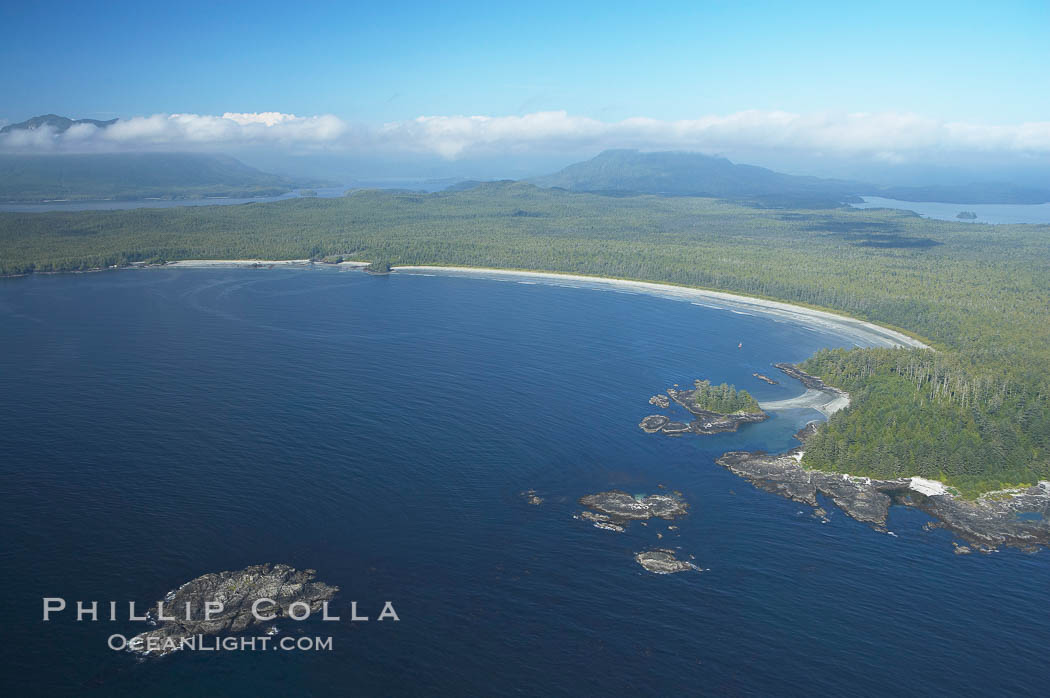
column 886, row 84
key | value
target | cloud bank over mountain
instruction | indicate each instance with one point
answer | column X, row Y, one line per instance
column 887, row 137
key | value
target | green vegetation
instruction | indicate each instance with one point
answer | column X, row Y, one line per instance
column 379, row 266
column 927, row 413
column 693, row 174
column 724, row 399
column 135, row 176
column 975, row 413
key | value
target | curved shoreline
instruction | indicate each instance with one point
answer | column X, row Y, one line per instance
column 822, row 401
column 823, row 320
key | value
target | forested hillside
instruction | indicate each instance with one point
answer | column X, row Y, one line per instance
column 694, row 174
column 135, row 176
column 975, row 413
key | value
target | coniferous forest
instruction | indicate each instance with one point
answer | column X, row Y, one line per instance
column 973, row 412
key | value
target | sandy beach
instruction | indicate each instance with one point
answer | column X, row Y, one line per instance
column 824, row 401
column 217, row 263
column 861, row 332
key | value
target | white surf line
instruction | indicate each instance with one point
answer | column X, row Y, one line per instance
column 872, row 334
column 211, row 263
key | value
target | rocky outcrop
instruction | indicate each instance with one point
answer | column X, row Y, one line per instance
column 804, row 378
column 236, row 592
column 763, row 377
column 1018, row 518
column 661, row 401
column 620, row 507
column 532, row 497
column 662, row 561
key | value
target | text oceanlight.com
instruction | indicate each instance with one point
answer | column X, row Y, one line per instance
column 229, row 643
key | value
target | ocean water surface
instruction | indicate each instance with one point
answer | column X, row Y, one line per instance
column 986, row 213
column 156, row 425
column 117, row 204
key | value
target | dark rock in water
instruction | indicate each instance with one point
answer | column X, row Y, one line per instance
column 966, row 215
column 532, row 498
column 654, row 423
column 763, row 377
column 662, row 561
column 236, row 591
column 661, row 401
column 602, row 521
column 619, row 507
column 804, row 378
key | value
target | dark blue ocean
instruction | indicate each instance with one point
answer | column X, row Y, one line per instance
column 157, row 425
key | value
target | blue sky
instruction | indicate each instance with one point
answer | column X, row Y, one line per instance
column 375, row 62
column 778, row 83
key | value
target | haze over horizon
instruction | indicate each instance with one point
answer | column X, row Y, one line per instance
column 479, row 91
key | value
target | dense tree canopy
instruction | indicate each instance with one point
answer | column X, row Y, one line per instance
column 724, row 398
column 975, row 413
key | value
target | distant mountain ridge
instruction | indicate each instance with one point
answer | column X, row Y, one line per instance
column 61, row 124
column 130, row 176
column 677, row 173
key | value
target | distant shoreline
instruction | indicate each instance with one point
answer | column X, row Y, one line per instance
column 812, row 317
column 236, row 263
column 722, row 300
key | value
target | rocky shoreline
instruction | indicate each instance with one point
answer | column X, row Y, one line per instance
column 1018, row 519
column 1015, row 518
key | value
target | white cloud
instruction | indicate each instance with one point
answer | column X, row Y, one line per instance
column 185, row 131
column 887, row 137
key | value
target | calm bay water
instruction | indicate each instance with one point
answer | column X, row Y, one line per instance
column 160, row 424
column 986, row 213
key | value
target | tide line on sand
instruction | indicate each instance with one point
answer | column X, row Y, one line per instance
column 867, row 332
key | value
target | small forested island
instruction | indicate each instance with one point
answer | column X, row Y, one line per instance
column 966, row 215
column 716, row 408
